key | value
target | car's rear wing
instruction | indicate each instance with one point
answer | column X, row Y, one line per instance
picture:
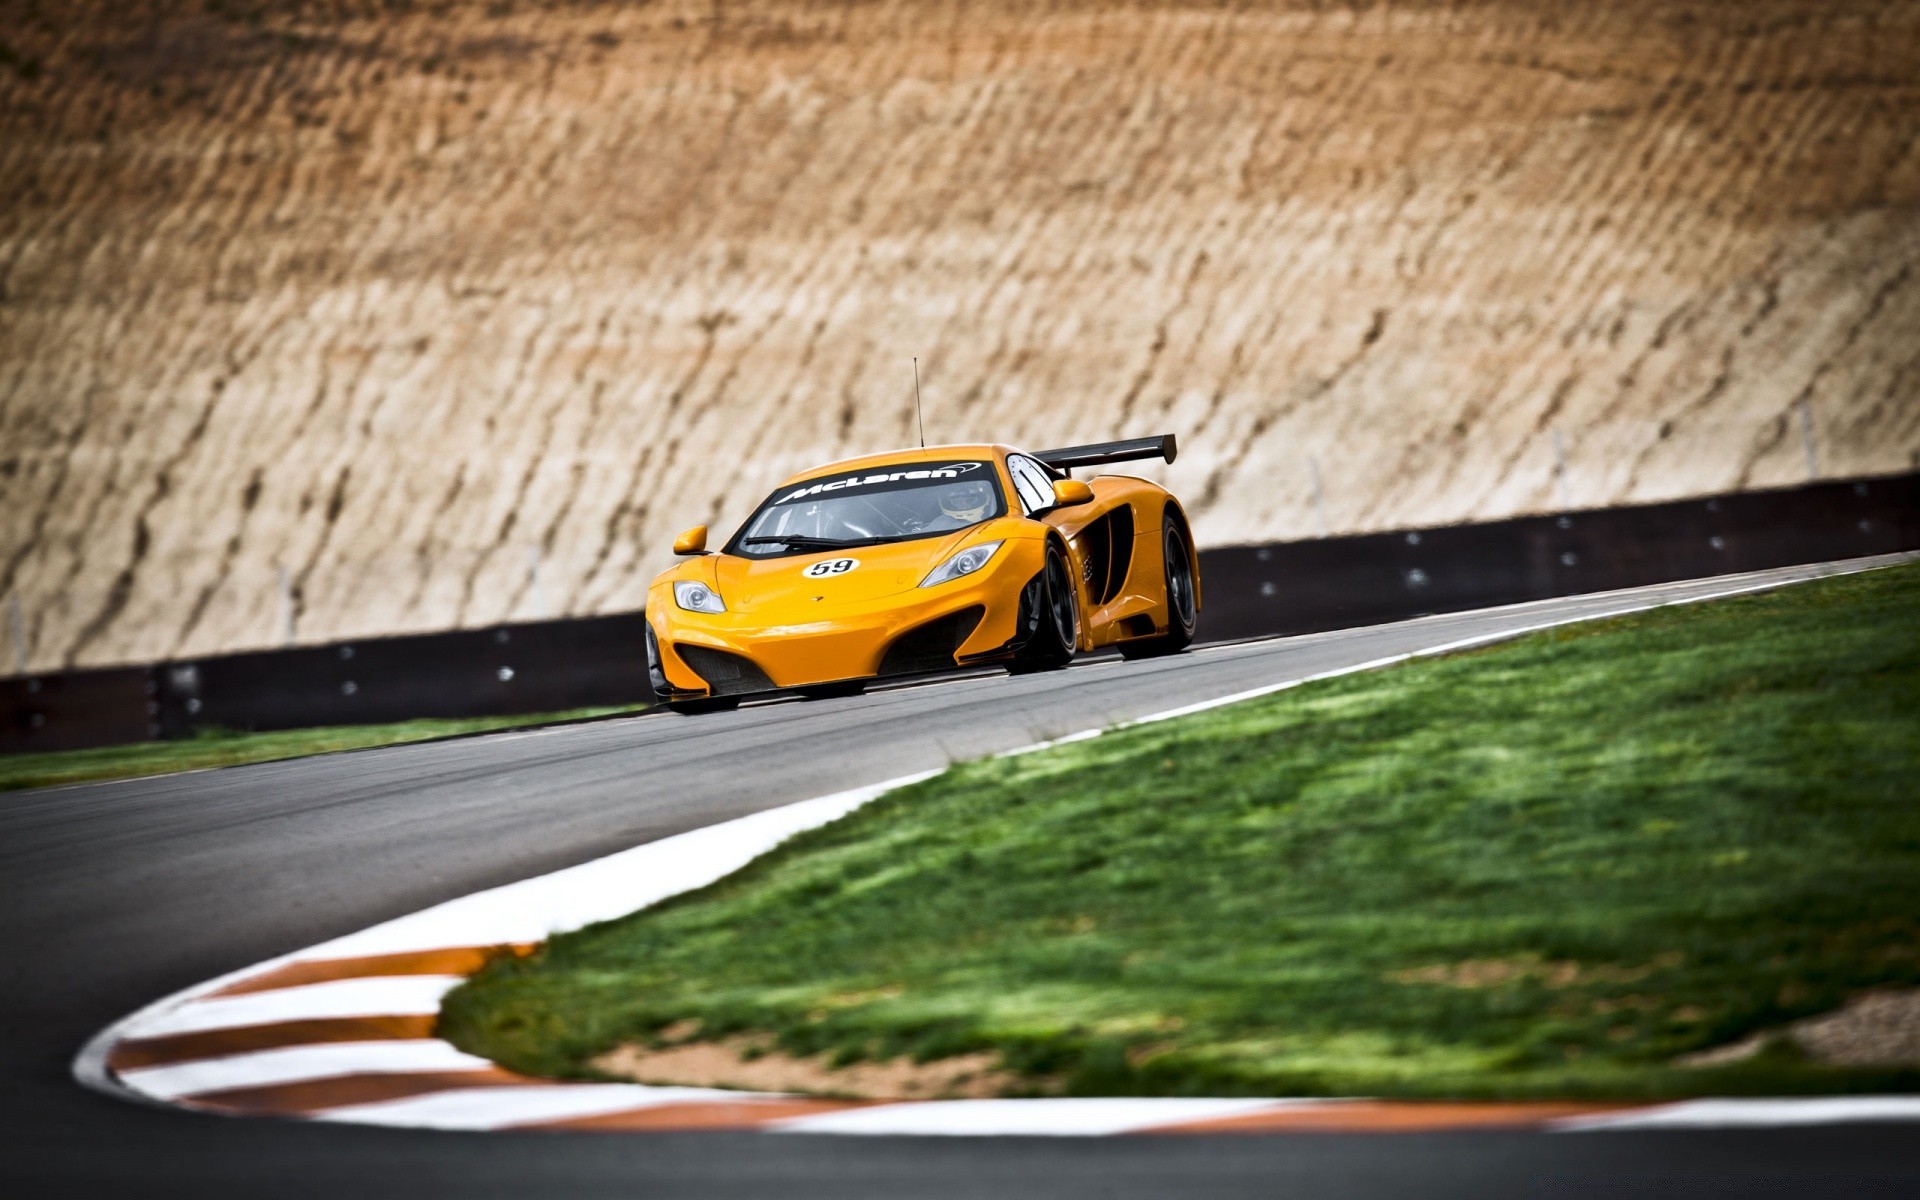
column 1100, row 453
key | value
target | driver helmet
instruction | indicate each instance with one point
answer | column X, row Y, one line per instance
column 966, row 501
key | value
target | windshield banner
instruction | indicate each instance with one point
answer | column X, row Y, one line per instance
column 871, row 479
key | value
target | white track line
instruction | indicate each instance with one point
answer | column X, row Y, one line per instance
column 505, row 1107
column 299, row 1064
column 536, row 909
column 379, row 996
column 1706, row 1114
column 1445, row 648
column 1031, row 1118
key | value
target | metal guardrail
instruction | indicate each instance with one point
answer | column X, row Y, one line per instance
column 1279, row 588
column 1304, row 587
column 543, row 666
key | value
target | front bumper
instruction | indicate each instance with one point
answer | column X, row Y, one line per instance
column 974, row 619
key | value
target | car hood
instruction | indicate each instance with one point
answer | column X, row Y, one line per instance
column 750, row 585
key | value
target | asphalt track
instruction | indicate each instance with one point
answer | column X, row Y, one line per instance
column 115, row 894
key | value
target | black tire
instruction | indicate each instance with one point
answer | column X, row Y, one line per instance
column 706, row 704
column 1183, row 608
column 656, row 675
column 1054, row 642
column 831, row 691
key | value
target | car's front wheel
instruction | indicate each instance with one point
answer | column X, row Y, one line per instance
column 1058, row 611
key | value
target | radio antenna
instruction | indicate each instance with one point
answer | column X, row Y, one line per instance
column 918, row 420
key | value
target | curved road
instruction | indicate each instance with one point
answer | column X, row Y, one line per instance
column 115, row 894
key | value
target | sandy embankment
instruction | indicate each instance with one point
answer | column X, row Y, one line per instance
column 400, row 301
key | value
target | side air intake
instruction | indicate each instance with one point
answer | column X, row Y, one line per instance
column 1100, row 453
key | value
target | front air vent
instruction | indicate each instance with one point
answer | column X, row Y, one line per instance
column 726, row 674
column 931, row 647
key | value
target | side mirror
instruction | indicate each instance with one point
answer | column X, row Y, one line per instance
column 1070, row 493
column 693, row 541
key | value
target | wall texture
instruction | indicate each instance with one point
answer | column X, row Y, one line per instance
column 457, row 312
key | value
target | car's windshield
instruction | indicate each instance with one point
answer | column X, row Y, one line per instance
column 874, row 504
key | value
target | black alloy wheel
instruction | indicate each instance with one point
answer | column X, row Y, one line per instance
column 1054, row 642
column 1183, row 610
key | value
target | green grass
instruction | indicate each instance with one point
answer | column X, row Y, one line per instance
column 1644, row 837
column 224, row 748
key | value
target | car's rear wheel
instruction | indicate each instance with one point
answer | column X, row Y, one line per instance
column 1183, row 609
column 1058, row 636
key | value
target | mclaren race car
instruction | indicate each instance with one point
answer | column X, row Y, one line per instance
column 926, row 560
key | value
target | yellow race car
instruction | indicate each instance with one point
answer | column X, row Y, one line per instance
column 926, row 560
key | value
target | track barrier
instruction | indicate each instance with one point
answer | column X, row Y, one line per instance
column 1367, row 579
column 1250, row 591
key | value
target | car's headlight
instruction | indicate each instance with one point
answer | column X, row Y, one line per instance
column 964, row 563
column 697, row 597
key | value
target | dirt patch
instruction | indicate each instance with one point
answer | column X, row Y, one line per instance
column 754, row 1064
column 1733, row 1052
column 1878, row 1029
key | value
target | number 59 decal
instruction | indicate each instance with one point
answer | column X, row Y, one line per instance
column 833, row 566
